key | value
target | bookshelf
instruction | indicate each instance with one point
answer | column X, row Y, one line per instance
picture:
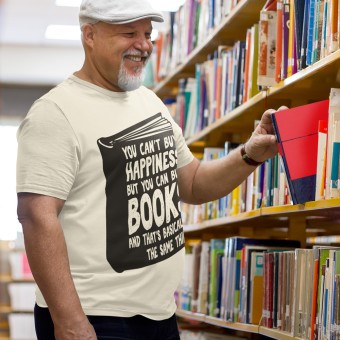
column 17, row 292
column 300, row 222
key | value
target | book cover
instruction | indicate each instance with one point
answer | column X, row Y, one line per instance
column 279, row 42
column 246, row 66
column 297, row 134
column 310, row 36
column 334, row 29
column 333, row 144
column 196, row 251
column 299, row 11
column 267, row 44
column 203, row 286
column 304, row 40
column 252, row 87
column 321, row 160
column 216, row 250
column 256, row 285
column 335, row 308
column 285, row 37
column 317, row 33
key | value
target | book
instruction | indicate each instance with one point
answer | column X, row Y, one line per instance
column 285, row 37
column 291, row 65
column 203, row 285
column 333, row 146
column 267, row 45
column 216, row 251
column 304, row 40
column 196, row 251
column 321, row 161
column 279, row 42
column 253, row 66
column 256, row 279
column 297, row 134
column 299, row 12
column 334, row 29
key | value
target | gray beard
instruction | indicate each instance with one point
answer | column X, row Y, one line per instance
column 128, row 82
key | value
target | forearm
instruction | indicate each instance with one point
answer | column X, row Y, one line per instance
column 201, row 182
column 47, row 254
column 217, row 178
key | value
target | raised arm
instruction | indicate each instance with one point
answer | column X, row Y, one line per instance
column 47, row 255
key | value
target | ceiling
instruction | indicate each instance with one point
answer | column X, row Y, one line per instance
column 25, row 22
column 26, row 56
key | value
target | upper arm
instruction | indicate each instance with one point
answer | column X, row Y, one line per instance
column 186, row 176
column 48, row 152
column 35, row 209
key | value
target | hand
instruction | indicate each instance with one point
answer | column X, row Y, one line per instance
column 81, row 330
column 262, row 144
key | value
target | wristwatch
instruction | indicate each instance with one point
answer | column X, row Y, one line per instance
column 247, row 159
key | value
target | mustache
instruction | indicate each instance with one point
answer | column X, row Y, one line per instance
column 137, row 53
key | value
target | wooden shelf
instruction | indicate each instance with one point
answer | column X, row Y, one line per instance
column 4, row 309
column 276, row 334
column 9, row 278
column 289, row 221
column 273, row 333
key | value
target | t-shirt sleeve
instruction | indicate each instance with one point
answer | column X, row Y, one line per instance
column 48, row 152
column 183, row 152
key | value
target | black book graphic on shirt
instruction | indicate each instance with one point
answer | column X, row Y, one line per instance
column 143, row 219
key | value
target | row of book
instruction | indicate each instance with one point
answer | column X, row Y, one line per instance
column 266, row 186
column 295, row 34
column 273, row 283
column 290, row 35
column 188, row 27
column 226, row 80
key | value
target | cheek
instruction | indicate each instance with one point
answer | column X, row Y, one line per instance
column 150, row 46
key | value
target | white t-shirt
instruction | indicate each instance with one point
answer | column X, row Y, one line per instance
column 112, row 156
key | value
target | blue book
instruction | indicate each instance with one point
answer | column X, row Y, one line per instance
column 310, row 37
column 305, row 34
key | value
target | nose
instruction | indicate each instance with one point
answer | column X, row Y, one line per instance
column 143, row 44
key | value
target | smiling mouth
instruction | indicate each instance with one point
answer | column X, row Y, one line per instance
column 136, row 58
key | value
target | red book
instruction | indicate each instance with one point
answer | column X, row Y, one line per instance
column 297, row 134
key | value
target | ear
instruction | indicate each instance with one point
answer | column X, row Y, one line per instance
column 88, row 34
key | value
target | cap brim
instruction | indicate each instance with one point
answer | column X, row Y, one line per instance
column 153, row 17
column 117, row 21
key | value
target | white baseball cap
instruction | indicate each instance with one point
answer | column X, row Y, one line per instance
column 117, row 11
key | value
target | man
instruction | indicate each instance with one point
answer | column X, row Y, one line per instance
column 101, row 167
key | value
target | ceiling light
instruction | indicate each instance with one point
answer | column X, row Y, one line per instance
column 63, row 32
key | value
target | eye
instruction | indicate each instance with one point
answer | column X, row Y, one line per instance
column 129, row 34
